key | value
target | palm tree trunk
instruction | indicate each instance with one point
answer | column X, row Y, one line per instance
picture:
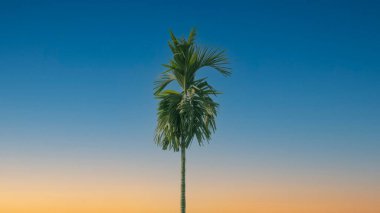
column 183, row 179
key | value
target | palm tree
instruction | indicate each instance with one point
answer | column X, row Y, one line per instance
column 188, row 113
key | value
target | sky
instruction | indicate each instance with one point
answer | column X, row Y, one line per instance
column 298, row 124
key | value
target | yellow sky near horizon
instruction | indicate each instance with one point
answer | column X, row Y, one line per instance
column 109, row 191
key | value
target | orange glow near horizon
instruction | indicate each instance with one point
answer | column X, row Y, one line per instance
column 63, row 191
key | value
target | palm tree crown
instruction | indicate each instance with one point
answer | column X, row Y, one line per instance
column 189, row 113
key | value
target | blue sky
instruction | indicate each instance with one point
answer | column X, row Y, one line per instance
column 77, row 77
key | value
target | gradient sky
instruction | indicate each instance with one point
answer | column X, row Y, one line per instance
column 299, row 123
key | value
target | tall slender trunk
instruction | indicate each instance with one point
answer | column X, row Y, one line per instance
column 183, row 179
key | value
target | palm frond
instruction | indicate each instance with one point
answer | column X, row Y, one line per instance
column 213, row 58
column 192, row 35
column 165, row 79
column 168, row 134
column 190, row 113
